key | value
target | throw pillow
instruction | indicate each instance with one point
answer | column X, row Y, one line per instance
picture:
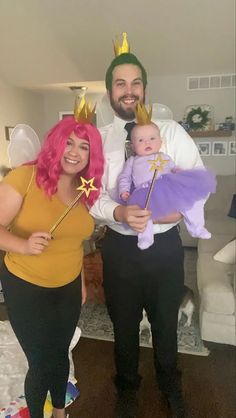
column 227, row 254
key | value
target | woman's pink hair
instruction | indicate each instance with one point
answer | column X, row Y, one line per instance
column 48, row 161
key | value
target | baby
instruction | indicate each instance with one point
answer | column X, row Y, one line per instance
column 174, row 190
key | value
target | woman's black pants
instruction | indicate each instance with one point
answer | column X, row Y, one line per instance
column 44, row 321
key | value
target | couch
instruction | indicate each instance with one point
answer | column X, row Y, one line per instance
column 216, row 267
column 216, row 279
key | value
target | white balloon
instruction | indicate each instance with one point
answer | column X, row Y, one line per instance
column 160, row 111
column 104, row 112
column 24, row 145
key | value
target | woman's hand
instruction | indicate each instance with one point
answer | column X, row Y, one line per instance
column 132, row 215
column 36, row 243
column 83, row 288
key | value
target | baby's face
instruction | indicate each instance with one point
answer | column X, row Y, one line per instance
column 146, row 139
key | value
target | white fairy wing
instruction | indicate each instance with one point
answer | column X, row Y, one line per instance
column 24, row 145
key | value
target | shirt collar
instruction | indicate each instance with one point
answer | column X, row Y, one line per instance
column 120, row 123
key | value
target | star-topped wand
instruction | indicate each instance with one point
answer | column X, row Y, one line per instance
column 86, row 187
column 157, row 165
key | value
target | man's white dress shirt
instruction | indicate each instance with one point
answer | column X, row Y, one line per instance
column 176, row 143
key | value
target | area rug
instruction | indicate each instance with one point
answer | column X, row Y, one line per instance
column 95, row 322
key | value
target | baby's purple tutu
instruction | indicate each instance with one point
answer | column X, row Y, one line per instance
column 175, row 192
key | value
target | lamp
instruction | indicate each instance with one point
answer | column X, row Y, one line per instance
column 232, row 211
column 79, row 90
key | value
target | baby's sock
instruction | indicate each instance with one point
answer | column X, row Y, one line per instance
column 144, row 242
column 202, row 233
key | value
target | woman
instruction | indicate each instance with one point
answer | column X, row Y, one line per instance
column 41, row 275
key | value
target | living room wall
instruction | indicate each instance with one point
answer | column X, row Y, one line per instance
column 18, row 106
column 172, row 91
column 169, row 90
column 41, row 110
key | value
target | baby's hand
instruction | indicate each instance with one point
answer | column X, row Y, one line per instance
column 124, row 196
column 176, row 170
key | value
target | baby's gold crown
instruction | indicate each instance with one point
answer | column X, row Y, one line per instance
column 142, row 115
column 121, row 48
column 83, row 111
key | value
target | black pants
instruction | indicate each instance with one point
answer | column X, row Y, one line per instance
column 152, row 279
column 44, row 321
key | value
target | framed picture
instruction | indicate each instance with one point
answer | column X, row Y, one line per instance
column 204, row 148
column 219, row 148
column 232, row 148
column 199, row 117
column 8, row 131
column 65, row 113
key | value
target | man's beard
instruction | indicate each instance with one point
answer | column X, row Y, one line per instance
column 128, row 113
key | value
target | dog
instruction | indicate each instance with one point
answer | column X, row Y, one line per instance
column 187, row 306
column 145, row 325
column 186, row 309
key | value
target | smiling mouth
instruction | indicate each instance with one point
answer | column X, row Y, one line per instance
column 129, row 100
column 68, row 160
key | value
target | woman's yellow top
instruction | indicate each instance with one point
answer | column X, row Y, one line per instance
column 60, row 262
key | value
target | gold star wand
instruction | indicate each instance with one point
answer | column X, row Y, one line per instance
column 157, row 165
column 86, row 187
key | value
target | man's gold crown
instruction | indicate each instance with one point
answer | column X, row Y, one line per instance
column 121, row 48
column 83, row 112
column 142, row 115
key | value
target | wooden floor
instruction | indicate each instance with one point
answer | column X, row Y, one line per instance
column 208, row 382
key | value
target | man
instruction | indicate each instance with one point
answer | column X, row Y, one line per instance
column 135, row 279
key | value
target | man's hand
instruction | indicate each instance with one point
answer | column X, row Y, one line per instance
column 132, row 215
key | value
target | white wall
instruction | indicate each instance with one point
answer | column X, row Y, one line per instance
column 169, row 90
column 172, row 91
column 41, row 110
column 55, row 102
column 18, row 106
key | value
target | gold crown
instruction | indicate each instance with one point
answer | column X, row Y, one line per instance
column 123, row 48
column 83, row 111
column 143, row 116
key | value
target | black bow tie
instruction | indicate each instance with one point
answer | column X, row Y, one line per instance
column 128, row 127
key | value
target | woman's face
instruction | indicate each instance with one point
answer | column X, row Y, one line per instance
column 76, row 155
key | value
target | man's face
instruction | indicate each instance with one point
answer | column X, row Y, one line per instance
column 127, row 90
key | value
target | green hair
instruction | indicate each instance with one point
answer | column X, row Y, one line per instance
column 126, row 58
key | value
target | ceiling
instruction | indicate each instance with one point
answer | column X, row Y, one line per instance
column 50, row 44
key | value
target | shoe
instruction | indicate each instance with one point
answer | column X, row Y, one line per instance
column 126, row 404
column 176, row 403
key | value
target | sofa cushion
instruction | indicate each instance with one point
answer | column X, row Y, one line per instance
column 225, row 189
column 214, row 244
column 227, row 254
column 215, row 284
column 217, row 222
column 218, row 328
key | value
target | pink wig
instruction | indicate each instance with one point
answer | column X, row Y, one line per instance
column 48, row 161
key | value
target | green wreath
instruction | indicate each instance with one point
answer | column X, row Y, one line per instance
column 197, row 118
